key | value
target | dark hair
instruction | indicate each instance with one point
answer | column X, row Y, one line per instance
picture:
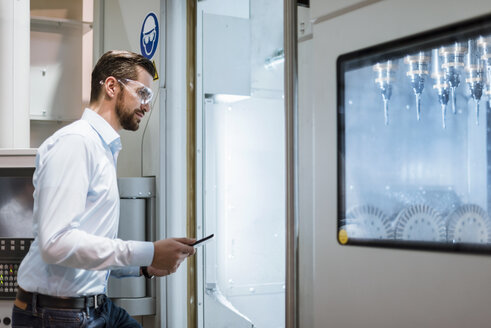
column 120, row 64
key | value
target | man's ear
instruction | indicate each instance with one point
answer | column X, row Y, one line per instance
column 110, row 87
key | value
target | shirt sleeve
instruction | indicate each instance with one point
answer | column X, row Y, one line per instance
column 61, row 190
column 126, row 272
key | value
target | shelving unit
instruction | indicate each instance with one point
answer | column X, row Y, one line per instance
column 61, row 53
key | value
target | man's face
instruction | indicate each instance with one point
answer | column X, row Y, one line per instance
column 129, row 107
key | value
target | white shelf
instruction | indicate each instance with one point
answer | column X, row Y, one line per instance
column 40, row 118
column 39, row 22
column 18, row 158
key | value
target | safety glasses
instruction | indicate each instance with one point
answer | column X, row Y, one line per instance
column 143, row 92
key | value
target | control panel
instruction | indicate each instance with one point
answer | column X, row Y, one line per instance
column 8, row 279
column 12, row 251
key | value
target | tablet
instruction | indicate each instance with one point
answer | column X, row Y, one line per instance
column 203, row 241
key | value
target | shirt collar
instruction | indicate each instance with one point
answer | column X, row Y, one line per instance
column 104, row 129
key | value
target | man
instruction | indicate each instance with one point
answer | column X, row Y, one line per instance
column 63, row 279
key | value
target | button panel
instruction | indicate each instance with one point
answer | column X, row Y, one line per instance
column 12, row 251
column 8, row 279
column 14, row 248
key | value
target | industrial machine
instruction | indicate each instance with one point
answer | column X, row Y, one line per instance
column 401, row 162
column 16, row 169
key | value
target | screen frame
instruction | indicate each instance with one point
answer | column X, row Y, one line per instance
column 388, row 51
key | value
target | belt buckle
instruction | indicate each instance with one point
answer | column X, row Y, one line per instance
column 95, row 301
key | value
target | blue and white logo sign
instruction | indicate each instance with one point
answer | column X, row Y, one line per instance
column 149, row 36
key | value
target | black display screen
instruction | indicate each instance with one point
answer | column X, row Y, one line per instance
column 16, row 205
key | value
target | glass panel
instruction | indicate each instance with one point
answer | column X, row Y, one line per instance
column 243, row 163
column 414, row 126
column 16, row 203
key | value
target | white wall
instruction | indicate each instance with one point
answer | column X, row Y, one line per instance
column 123, row 21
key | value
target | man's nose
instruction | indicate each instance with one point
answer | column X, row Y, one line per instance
column 145, row 107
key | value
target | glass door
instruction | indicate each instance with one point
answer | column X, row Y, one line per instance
column 241, row 170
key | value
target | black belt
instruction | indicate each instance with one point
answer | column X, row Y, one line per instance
column 82, row 302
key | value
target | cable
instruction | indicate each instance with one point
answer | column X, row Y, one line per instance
column 145, row 129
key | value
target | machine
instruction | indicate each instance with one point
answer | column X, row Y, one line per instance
column 400, row 164
column 16, row 169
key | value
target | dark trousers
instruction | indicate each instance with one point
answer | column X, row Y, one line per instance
column 106, row 315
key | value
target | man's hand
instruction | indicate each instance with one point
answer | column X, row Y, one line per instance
column 169, row 254
column 157, row 272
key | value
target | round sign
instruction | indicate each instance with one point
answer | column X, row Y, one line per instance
column 149, row 36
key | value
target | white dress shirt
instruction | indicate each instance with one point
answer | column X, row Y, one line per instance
column 76, row 214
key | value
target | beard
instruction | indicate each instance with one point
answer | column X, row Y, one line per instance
column 127, row 117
